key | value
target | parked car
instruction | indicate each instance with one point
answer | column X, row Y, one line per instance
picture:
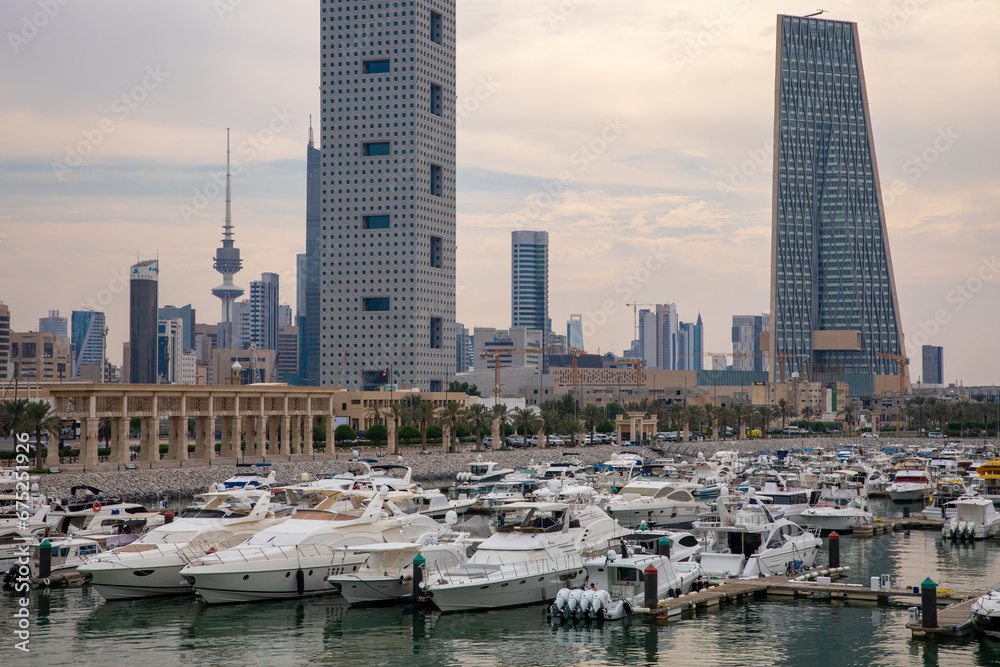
column 488, row 443
column 869, row 434
column 935, row 434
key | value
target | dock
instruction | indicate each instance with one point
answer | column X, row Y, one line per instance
column 955, row 620
column 883, row 526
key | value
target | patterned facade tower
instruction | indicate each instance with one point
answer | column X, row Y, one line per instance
column 833, row 297
column 387, row 223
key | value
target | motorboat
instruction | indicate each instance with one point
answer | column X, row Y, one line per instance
column 251, row 476
column 527, row 560
column 975, row 519
column 18, row 541
column 615, row 584
column 750, row 542
column 151, row 565
column 75, row 515
column 986, row 613
column 910, row 484
column 436, row 505
column 788, row 503
column 482, row 472
column 839, row 518
column 654, row 501
column 293, row 558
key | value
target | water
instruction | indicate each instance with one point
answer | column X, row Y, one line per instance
column 77, row 627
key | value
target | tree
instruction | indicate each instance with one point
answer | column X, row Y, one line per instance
column 782, row 411
column 39, row 417
column 741, row 414
column 807, row 414
column 572, row 426
column 377, row 433
column 592, row 416
column 477, row 416
column 847, row 411
column 451, row 414
column 724, row 417
column 499, row 414
column 525, row 419
column 12, row 413
column 605, row 427
column 465, row 387
column 693, row 416
column 676, row 417
column 104, row 431
column 425, row 414
column 550, row 422
column 409, row 433
column 344, row 433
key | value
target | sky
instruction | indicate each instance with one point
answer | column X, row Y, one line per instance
column 637, row 133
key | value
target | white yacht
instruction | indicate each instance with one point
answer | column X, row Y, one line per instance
column 986, row 611
column 840, row 518
column 750, row 542
column 655, row 501
column 151, row 565
column 482, row 472
column 293, row 558
column 975, row 519
column 910, row 484
column 525, row 562
column 251, row 476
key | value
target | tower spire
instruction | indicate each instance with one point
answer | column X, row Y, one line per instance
column 227, row 229
column 228, row 263
column 310, row 131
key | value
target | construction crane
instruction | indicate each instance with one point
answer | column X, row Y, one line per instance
column 638, row 363
column 903, row 362
column 496, row 355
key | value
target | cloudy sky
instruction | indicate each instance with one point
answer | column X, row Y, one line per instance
column 636, row 132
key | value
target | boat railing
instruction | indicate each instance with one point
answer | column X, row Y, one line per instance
column 265, row 552
column 488, row 572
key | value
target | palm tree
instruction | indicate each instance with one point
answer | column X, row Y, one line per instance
column 766, row 415
column 501, row 417
column 782, row 411
column 919, row 403
column 693, row 416
column 39, row 417
column 592, row 416
column 807, row 414
column 848, row 413
column 451, row 413
column 960, row 411
column 425, row 414
column 104, row 431
column 572, row 426
column 550, row 422
column 940, row 412
column 724, row 417
column 478, row 416
column 741, row 414
column 525, row 419
column 12, row 413
column 676, row 417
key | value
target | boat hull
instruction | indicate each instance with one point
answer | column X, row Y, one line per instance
column 126, row 582
column 371, row 590
column 496, row 592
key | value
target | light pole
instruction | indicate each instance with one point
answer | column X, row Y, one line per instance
column 104, row 353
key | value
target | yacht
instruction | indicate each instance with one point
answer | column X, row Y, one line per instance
column 293, row 558
column 482, row 472
column 910, row 484
column 840, row 518
column 151, row 565
column 251, row 476
column 975, row 519
column 750, row 542
column 655, row 501
column 986, row 612
column 526, row 561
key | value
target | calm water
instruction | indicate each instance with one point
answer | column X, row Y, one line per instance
column 77, row 627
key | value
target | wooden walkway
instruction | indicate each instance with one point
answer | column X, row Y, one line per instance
column 899, row 523
column 955, row 620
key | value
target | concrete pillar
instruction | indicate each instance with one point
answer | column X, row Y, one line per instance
column 307, row 431
column 233, row 449
column 119, row 440
column 260, row 439
column 225, row 427
column 393, row 440
column 330, row 425
column 286, row 426
column 272, row 435
column 177, row 439
column 200, row 438
column 149, row 439
column 445, row 438
column 210, row 438
column 52, row 451
column 88, row 441
column 295, row 435
column 497, row 439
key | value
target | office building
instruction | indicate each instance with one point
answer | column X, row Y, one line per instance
column 187, row 314
column 388, row 199
column 142, row 336
column 6, row 370
column 932, row 358
column 41, row 357
column 833, row 296
column 170, row 352
column 747, row 352
column 490, row 344
column 228, row 263
column 307, row 307
column 667, row 324
column 463, row 349
column 646, row 346
column 88, row 340
column 53, row 324
column 284, row 315
column 264, row 309
column 529, row 280
column 689, row 346
column 574, row 332
column 287, row 362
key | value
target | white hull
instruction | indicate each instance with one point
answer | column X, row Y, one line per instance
column 501, row 592
column 770, row 561
column 840, row 521
column 633, row 515
column 371, row 590
column 115, row 581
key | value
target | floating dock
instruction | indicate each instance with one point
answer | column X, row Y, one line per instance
column 955, row 620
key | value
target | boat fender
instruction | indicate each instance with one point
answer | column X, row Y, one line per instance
column 300, row 582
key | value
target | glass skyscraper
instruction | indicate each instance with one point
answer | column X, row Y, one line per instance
column 142, row 338
column 88, row 339
column 833, row 296
column 387, row 256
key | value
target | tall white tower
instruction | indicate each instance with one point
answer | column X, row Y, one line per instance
column 228, row 263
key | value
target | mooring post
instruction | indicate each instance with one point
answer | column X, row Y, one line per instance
column 928, row 603
column 44, row 559
column 663, row 547
column 650, row 597
column 834, row 549
column 418, row 574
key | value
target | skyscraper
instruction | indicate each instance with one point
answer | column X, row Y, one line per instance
column 88, row 339
column 833, row 296
column 6, row 371
column 932, row 358
column 308, row 312
column 529, row 280
column 667, row 324
column 388, row 200
column 142, row 322
column 53, row 324
column 264, row 308
column 574, row 332
column 228, row 263
column 689, row 346
column 186, row 313
column 747, row 355
column 648, row 349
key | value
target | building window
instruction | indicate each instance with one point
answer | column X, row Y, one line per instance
column 437, row 249
column 376, row 148
column 437, row 28
column 436, row 333
column 376, row 66
column 436, row 187
column 436, row 99
column 376, row 303
column 376, row 222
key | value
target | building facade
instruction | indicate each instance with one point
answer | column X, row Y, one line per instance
column 264, row 312
column 490, row 344
column 187, row 314
column 6, row 371
column 529, row 280
column 689, row 345
column 143, row 283
column 54, row 324
column 41, row 357
column 308, row 309
column 667, row 323
column 932, row 366
column 574, row 332
column 747, row 353
column 833, row 296
column 88, row 340
column 388, row 168
column 287, row 363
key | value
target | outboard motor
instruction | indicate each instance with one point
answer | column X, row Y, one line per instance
column 558, row 606
column 573, row 604
column 585, row 600
column 600, row 604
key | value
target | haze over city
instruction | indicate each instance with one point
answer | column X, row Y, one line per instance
column 639, row 139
